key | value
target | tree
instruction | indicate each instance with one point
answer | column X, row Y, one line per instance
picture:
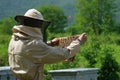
column 95, row 15
column 109, row 69
column 92, row 51
column 57, row 16
column 6, row 25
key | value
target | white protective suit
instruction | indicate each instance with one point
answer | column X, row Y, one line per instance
column 28, row 53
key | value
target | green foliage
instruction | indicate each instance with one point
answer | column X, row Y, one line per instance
column 56, row 15
column 117, row 28
column 5, row 32
column 4, row 41
column 95, row 16
column 91, row 52
column 110, row 68
column 74, row 30
column 6, row 26
column 4, row 59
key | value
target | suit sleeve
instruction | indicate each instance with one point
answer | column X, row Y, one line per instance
column 42, row 53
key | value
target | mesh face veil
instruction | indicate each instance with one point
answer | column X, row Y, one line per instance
column 33, row 18
column 43, row 30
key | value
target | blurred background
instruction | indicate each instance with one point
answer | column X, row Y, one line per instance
column 100, row 19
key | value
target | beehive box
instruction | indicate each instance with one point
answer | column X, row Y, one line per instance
column 75, row 74
column 6, row 74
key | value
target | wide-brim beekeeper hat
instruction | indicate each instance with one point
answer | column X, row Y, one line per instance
column 32, row 18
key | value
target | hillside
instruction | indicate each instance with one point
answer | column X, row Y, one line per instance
column 10, row 8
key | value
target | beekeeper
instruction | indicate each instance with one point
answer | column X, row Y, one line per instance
column 27, row 51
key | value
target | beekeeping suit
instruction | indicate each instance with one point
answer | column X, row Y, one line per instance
column 27, row 51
